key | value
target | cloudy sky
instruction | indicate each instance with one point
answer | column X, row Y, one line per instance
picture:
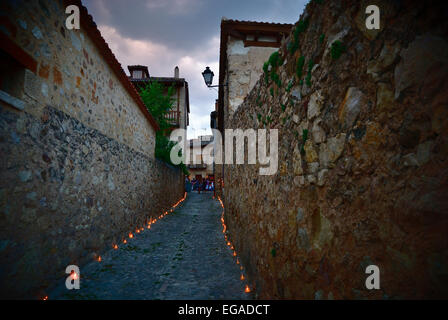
column 162, row 34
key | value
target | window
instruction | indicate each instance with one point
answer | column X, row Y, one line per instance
column 137, row 74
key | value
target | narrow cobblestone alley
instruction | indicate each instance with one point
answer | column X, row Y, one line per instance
column 182, row 256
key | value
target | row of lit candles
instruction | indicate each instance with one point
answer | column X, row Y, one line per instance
column 150, row 222
column 131, row 235
column 229, row 244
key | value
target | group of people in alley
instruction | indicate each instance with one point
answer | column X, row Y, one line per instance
column 199, row 184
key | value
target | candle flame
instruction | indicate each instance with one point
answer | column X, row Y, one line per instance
column 125, row 241
column 131, row 235
column 99, row 259
column 45, row 298
column 247, row 290
column 242, row 277
column 115, row 246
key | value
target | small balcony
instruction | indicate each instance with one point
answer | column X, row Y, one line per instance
column 173, row 117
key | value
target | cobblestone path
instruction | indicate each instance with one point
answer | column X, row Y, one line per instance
column 183, row 256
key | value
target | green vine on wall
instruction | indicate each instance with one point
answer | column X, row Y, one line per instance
column 274, row 61
column 293, row 45
column 337, row 48
column 300, row 64
column 322, row 38
column 159, row 104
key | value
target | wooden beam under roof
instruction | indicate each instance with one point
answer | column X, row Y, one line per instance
column 273, row 44
column 264, row 28
column 237, row 34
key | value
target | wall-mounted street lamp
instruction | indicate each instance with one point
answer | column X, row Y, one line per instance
column 208, row 78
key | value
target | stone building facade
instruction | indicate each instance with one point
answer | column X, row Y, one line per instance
column 363, row 136
column 179, row 115
column 197, row 166
column 77, row 145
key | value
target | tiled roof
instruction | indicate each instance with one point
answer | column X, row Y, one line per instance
column 90, row 27
column 159, row 79
column 257, row 23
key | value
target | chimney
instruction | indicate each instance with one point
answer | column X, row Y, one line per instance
column 176, row 72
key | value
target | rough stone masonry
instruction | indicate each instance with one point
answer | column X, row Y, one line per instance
column 77, row 169
column 363, row 128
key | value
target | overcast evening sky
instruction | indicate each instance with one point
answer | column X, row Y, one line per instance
column 162, row 34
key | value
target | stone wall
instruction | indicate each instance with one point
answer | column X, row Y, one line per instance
column 78, row 171
column 362, row 159
column 243, row 70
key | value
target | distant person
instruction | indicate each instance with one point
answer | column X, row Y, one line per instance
column 187, row 185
